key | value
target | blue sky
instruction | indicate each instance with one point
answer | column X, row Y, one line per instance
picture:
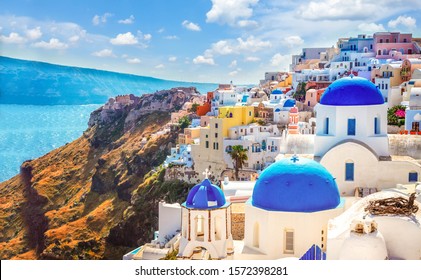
column 191, row 40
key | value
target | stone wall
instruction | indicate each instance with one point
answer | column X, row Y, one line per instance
column 237, row 229
column 405, row 145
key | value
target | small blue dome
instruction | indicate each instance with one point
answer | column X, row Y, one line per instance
column 277, row 91
column 205, row 196
column 295, row 185
column 352, row 91
column 289, row 103
column 277, row 110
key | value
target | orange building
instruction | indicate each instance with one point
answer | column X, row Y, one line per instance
column 206, row 107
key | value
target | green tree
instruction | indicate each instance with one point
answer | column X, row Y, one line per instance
column 193, row 108
column 395, row 116
column 300, row 92
column 239, row 157
column 184, row 122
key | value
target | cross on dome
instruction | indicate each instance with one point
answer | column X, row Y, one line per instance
column 295, row 158
column 206, row 173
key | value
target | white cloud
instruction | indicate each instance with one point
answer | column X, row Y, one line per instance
column 247, row 23
column 129, row 20
column 172, row 59
column 233, row 64
column 104, row 53
column 13, row 38
column 53, row 44
column 293, row 41
column 200, row 59
column 97, row 20
column 74, row 39
column 339, row 10
column 406, row 21
column 229, row 12
column 160, row 66
column 133, row 60
column 240, row 45
column 147, row 37
column 251, row 59
column 371, row 27
column 280, row 61
column 191, row 26
column 34, row 34
column 233, row 73
column 161, row 30
column 124, row 39
column 171, row 37
column 252, row 44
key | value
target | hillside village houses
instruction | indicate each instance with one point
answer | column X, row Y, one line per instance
column 314, row 166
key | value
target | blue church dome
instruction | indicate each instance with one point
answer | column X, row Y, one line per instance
column 289, row 103
column 295, row 185
column 277, row 110
column 205, row 195
column 277, row 91
column 352, row 91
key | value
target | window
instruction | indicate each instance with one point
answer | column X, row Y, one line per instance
column 207, row 144
column 216, row 125
column 351, row 126
column 326, row 126
column 256, row 235
column 249, row 113
column 289, row 241
column 385, row 86
column 216, row 135
column 376, row 125
column 349, row 171
column 207, row 136
column 381, row 40
column 415, row 126
column 404, row 40
column 413, row 176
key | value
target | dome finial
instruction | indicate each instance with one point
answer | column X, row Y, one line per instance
column 295, row 158
column 206, row 173
column 351, row 76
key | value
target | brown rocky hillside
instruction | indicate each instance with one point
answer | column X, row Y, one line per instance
column 96, row 197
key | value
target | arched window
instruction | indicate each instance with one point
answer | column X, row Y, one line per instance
column 256, row 237
column 199, row 227
column 326, row 127
column 377, row 125
column 413, row 176
column 228, row 149
column 289, row 241
column 379, row 52
column 351, row 126
column 218, row 228
column 349, row 170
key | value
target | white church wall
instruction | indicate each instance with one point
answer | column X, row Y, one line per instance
column 402, row 236
column 368, row 171
column 169, row 221
column 308, row 228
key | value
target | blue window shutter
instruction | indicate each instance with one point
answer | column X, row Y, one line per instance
column 413, row 177
column 349, row 171
column 351, row 126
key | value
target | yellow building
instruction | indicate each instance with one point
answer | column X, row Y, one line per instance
column 209, row 152
column 189, row 134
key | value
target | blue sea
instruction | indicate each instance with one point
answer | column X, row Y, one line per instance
column 44, row 106
column 30, row 131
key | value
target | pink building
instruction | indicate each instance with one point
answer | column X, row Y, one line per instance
column 395, row 45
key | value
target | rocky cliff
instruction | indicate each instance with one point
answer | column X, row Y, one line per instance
column 95, row 198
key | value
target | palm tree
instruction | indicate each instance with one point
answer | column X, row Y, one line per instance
column 239, row 157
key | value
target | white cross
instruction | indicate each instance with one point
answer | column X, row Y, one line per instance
column 294, row 149
column 206, row 173
column 294, row 157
